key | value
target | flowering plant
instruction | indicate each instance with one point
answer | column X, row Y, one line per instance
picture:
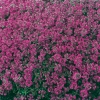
column 49, row 49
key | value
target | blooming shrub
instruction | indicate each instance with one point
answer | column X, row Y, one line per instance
column 49, row 50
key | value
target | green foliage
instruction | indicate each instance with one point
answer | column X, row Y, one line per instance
column 99, row 22
column 9, row 96
column 36, row 75
column 79, row 82
column 44, row 63
column 0, row 82
column 72, row 91
column 94, row 93
column 6, row 16
column 85, row 11
column 48, row 56
column 99, row 57
column 67, row 83
column 0, row 51
column 94, row 37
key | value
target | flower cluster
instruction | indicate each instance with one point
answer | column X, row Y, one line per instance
column 49, row 49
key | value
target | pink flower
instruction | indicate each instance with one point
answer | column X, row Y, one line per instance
column 26, row 43
column 28, row 83
column 54, row 49
column 78, row 60
column 87, row 86
column 98, row 11
column 57, row 91
column 60, row 85
column 96, row 78
column 41, row 56
column 42, row 38
column 50, row 89
column 85, row 75
column 8, row 53
column 74, row 85
column 58, row 68
column 27, row 70
column 76, row 76
column 54, row 76
column 27, row 76
column 7, row 85
column 22, row 98
column 57, row 57
column 84, row 32
column 84, row 93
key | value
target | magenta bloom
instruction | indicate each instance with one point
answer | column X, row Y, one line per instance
column 28, row 83
column 76, row 76
column 84, row 93
column 87, row 86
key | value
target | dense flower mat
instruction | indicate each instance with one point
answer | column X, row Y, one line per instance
column 50, row 50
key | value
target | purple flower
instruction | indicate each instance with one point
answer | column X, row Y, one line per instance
column 84, row 93
column 87, row 86
column 76, row 76
column 28, row 83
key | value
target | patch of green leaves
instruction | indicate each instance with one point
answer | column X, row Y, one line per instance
column 44, row 63
column 0, row 51
column 6, row 16
column 94, row 93
column 48, row 56
column 79, row 82
column 9, row 96
column 99, row 57
column 24, row 91
column 94, row 37
column 0, row 82
column 72, row 91
column 67, row 83
column 99, row 22
column 85, row 11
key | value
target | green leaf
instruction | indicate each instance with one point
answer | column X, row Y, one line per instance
column 85, row 13
column 72, row 91
column 44, row 63
column 67, row 83
column 0, row 82
column 47, row 56
column 99, row 57
column 99, row 22
column 6, row 16
column 79, row 82
column 94, row 93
